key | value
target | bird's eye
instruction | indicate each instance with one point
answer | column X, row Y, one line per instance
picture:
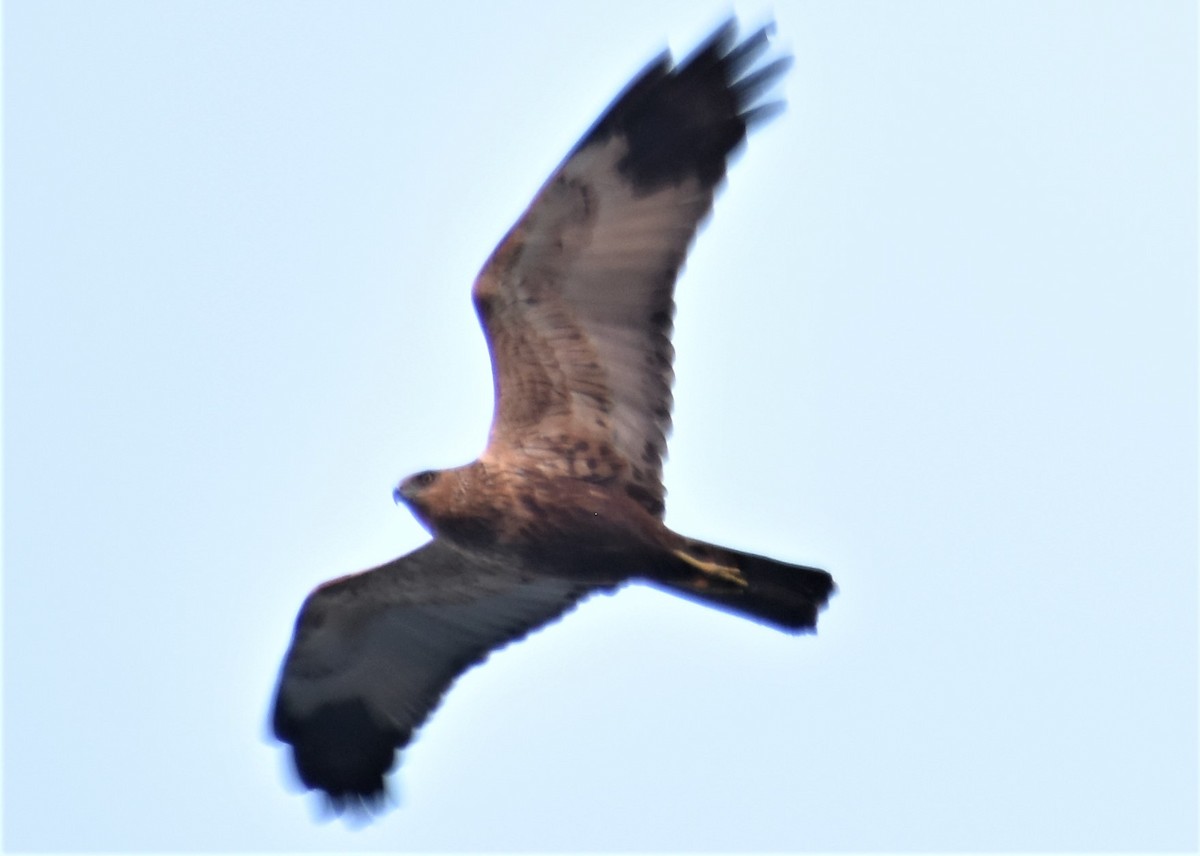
column 426, row 478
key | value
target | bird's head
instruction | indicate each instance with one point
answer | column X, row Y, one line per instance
column 417, row 491
column 446, row 501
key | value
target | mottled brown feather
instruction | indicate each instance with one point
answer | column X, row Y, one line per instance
column 577, row 300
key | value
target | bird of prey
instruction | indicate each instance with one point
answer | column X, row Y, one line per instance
column 567, row 498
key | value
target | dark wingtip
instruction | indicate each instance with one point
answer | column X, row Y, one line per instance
column 340, row 750
column 685, row 120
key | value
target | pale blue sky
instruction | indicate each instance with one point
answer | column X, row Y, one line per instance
column 939, row 338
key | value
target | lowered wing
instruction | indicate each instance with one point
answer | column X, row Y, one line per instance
column 374, row 653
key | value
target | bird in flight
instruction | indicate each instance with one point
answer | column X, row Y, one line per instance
column 567, row 498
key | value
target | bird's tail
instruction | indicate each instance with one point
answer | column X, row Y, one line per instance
column 787, row 597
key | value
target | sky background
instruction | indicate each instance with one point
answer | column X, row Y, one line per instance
column 939, row 338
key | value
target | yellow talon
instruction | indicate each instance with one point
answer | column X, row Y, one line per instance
column 722, row 572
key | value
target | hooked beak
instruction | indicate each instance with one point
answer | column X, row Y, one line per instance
column 406, row 492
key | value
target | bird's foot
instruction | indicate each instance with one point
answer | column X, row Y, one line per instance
column 725, row 573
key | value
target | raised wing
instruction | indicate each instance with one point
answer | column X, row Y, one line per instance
column 373, row 653
column 576, row 301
